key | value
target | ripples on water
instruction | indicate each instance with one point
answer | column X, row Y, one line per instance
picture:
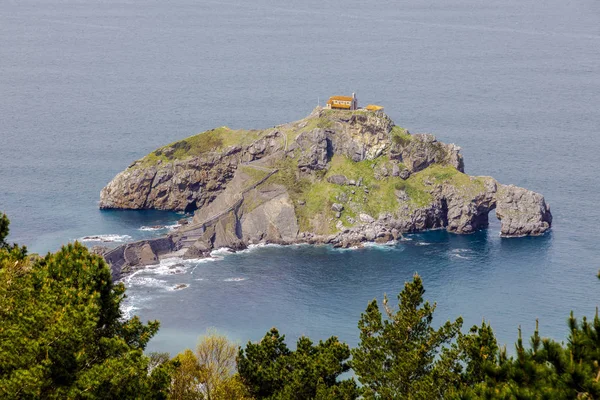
column 88, row 87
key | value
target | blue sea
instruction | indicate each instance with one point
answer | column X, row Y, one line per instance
column 86, row 87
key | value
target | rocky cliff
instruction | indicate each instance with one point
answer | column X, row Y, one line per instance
column 337, row 177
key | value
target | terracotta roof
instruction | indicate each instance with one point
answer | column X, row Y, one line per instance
column 342, row 98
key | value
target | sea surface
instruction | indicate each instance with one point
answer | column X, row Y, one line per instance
column 87, row 87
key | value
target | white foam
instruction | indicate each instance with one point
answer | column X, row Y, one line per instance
column 105, row 238
column 221, row 252
column 234, row 279
column 152, row 228
column 387, row 246
column 172, row 227
column 461, row 253
column 148, row 282
column 423, row 243
column 461, row 250
column 127, row 311
column 375, row 244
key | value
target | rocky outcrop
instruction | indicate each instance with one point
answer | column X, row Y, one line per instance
column 423, row 150
column 144, row 252
column 335, row 177
column 313, row 150
column 522, row 212
column 359, row 136
column 182, row 184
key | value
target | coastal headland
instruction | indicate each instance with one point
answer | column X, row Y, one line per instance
column 336, row 177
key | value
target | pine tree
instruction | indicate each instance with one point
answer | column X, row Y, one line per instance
column 271, row 371
column 396, row 356
column 62, row 333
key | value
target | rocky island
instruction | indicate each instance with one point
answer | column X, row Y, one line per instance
column 335, row 177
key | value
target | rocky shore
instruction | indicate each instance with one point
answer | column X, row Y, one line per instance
column 335, row 177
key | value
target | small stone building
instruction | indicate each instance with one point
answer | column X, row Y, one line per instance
column 343, row 102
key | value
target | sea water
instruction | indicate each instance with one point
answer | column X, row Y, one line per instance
column 88, row 87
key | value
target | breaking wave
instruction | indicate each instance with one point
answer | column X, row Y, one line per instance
column 108, row 238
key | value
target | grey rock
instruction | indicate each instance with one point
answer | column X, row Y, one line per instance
column 337, row 179
column 404, row 174
column 337, row 207
column 423, row 150
column 522, row 212
column 366, row 218
column 313, row 147
column 401, row 195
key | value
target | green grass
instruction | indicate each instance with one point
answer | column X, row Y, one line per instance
column 321, row 122
column 319, row 195
column 255, row 174
column 202, row 143
column 438, row 174
column 400, row 136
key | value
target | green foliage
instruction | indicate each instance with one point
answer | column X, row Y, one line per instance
column 401, row 356
column 545, row 370
column 197, row 145
column 272, row 371
column 185, row 384
column 400, row 136
column 62, row 333
column 7, row 250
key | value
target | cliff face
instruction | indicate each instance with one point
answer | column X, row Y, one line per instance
column 339, row 177
column 169, row 179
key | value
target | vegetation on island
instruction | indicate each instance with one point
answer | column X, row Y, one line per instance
column 202, row 143
column 63, row 335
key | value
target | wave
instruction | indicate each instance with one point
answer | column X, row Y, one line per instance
column 423, row 243
column 148, row 282
column 234, row 279
column 221, row 252
column 461, row 253
column 105, row 238
column 152, row 228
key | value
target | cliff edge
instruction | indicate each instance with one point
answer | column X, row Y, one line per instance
column 337, row 177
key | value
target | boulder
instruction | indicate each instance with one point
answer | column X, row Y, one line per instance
column 337, row 207
column 522, row 212
column 337, row 179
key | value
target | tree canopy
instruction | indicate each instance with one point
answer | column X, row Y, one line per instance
column 62, row 333
column 270, row 370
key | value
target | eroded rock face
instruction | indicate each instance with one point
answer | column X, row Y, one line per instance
column 424, row 150
column 183, row 184
column 313, row 148
column 177, row 185
column 522, row 212
column 360, row 137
